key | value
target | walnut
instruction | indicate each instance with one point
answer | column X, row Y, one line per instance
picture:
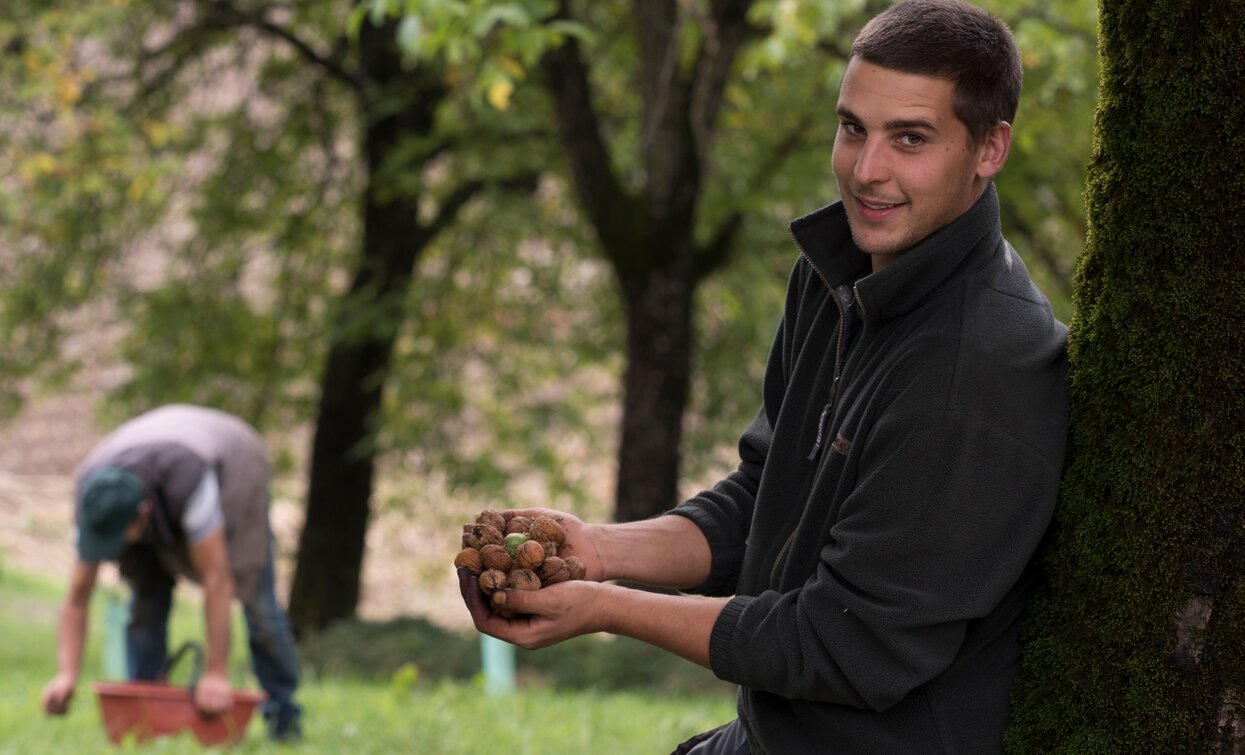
column 576, row 567
column 496, row 557
column 547, row 528
column 523, row 579
column 481, row 535
column 513, row 541
column 530, row 555
column 492, row 580
column 519, row 524
column 470, row 558
column 550, row 548
column 493, row 518
column 553, row 571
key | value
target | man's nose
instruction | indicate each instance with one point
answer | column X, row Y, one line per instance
column 871, row 162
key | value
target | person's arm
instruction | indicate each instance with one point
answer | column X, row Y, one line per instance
column 70, row 638
column 209, row 556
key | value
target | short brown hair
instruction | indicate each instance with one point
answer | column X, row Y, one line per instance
column 956, row 41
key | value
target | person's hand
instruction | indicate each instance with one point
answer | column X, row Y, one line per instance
column 58, row 693
column 213, row 695
column 543, row 617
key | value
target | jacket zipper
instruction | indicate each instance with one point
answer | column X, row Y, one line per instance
column 842, row 302
column 834, row 390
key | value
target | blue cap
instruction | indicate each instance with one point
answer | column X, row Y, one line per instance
column 110, row 500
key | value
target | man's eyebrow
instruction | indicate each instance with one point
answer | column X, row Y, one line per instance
column 901, row 125
column 895, row 125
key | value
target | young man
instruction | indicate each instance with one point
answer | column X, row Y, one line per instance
column 870, row 554
column 181, row 490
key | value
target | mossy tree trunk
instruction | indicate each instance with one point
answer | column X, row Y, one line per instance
column 1138, row 642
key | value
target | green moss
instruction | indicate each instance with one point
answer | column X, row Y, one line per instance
column 1152, row 509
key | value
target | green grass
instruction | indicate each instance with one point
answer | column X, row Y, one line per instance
column 396, row 687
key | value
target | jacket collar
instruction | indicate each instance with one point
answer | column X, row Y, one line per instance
column 825, row 239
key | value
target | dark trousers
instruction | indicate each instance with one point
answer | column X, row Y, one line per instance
column 727, row 739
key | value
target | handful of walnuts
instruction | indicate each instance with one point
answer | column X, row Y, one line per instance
column 521, row 553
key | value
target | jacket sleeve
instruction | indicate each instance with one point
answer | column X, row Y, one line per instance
column 724, row 513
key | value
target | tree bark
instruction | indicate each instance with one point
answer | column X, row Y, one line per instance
column 655, row 388
column 1137, row 642
column 327, row 579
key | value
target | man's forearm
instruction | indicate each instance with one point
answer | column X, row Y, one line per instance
column 217, row 605
column 72, row 620
column 668, row 551
column 71, row 637
column 680, row 624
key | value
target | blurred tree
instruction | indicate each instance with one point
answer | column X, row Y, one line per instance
column 1138, row 643
column 244, row 111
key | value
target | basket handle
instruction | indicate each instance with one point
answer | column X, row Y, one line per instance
column 196, row 670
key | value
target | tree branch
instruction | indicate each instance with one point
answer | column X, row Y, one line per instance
column 600, row 193
column 713, row 255
column 223, row 12
column 725, row 33
column 466, row 191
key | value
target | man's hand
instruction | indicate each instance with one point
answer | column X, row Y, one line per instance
column 680, row 624
column 58, row 693
column 549, row 615
column 213, row 695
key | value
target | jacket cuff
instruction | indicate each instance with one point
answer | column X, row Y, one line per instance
column 719, row 580
column 721, row 659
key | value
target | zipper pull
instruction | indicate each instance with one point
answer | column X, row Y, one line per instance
column 821, row 429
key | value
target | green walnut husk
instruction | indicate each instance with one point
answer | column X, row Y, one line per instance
column 513, row 541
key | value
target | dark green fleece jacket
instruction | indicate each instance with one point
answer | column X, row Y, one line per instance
column 878, row 530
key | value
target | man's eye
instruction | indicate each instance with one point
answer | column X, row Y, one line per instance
column 852, row 129
column 911, row 140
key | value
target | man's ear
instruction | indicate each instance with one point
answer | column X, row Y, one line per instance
column 993, row 150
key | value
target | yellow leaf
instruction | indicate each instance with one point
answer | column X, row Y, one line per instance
column 158, row 132
column 499, row 94
column 512, row 67
column 137, row 188
column 68, row 90
column 37, row 166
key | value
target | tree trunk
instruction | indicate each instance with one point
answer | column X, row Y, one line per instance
column 658, row 304
column 647, row 232
column 328, row 576
column 1137, row 644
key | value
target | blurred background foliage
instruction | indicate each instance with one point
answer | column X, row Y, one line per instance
column 180, row 204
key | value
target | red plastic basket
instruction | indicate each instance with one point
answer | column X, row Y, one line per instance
column 146, row 710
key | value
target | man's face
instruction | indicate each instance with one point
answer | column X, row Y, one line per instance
column 902, row 159
column 135, row 529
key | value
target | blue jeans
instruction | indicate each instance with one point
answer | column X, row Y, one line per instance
column 273, row 656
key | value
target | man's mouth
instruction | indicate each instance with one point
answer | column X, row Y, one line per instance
column 874, row 205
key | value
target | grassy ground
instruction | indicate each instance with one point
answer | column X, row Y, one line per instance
column 401, row 687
